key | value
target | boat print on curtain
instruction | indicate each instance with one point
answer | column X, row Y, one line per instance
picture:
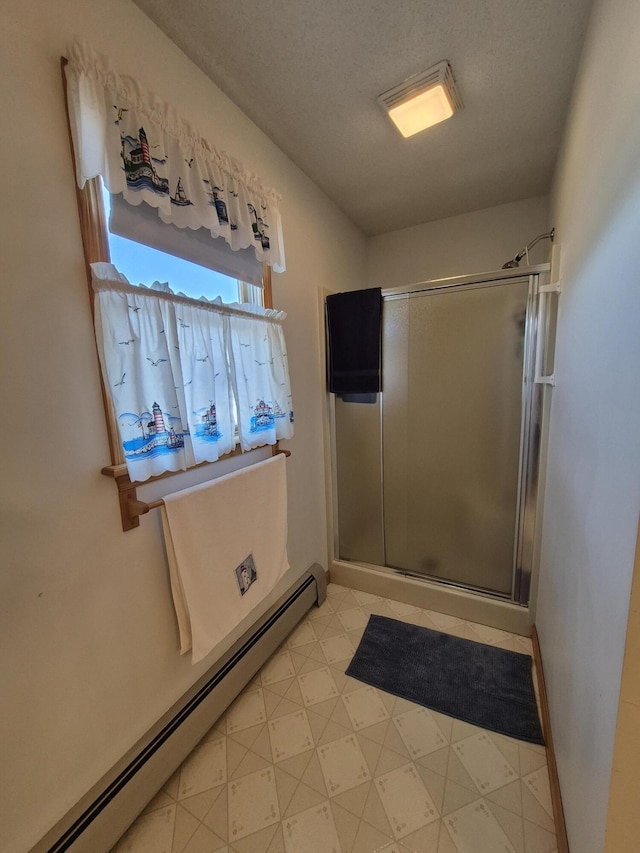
column 179, row 198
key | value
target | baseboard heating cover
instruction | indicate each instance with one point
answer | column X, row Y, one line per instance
column 103, row 815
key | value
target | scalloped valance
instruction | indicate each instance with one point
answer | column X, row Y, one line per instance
column 142, row 149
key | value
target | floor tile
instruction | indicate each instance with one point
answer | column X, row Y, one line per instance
column 532, row 810
column 201, row 804
column 365, row 597
column 511, row 824
column 337, row 589
column 205, row 768
column 456, row 797
column 538, row 784
column 310, row 760
column 290, row 735
column 347, row 826
column 160, row 801
column 312, row 831
column 508, row 797
column 185, row 824
column 444, row 621
column 354, row 800
column 278, row 668
column 325, row 609
column 337, row 648
column 369, row 839
column 303, row 798
column 248, row 710
column 217, row 818
column 401, row 609
column 419, row 732
column 151, row 833
column 353, row 618
column 538, row 840
column 490, row 635
column 474, row 829
column 253, row 804
column 424, row 840
column 258, row 842
column 343, row 765
column 406, row 800
column 317, row 686
column 204, row 841
column 365, row 708
column 484, row 762
column 302, row 635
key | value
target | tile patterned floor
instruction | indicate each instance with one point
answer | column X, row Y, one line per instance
column 308, row 760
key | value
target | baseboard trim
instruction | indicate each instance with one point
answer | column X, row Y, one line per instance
column 554, row 782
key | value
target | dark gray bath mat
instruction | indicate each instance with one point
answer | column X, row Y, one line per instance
column 482, row 685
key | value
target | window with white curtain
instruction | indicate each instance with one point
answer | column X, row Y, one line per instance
column 174, row 367
column 185, row 373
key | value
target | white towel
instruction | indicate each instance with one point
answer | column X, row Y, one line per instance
column 227, row 548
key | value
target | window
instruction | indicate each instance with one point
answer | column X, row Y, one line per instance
column 176, row 257
column 135, row 429
column 215, row 231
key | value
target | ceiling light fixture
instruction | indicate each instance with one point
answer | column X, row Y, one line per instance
column 422, row 100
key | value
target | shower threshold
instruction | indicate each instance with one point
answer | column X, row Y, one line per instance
column 444, row 597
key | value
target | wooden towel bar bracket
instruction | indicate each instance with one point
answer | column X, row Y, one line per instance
column 130, row 507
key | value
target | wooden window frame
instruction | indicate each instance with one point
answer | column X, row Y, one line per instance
column 95, row 245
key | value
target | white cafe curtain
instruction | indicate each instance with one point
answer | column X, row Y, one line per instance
column 258, row 356
column 142, row 149
column 174, row 366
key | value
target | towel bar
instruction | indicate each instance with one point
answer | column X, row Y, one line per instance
column 130, row 507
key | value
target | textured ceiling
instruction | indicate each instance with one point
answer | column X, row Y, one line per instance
column 308, row 74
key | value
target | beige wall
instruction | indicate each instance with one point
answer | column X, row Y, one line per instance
column 592, row 496
column 88, row 656
column 461, row 245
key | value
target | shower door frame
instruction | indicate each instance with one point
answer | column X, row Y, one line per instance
column 530, row 430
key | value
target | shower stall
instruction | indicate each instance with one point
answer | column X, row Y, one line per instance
column 438, row 479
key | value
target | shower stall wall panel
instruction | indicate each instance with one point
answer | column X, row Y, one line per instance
column 359, row 481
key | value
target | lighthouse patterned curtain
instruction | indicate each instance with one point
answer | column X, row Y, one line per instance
column 261, row 374
column 178, row 369
column 142, row 149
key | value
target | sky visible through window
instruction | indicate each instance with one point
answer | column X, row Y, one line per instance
column 143, row 265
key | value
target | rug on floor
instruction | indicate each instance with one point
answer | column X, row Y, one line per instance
column 480, row 684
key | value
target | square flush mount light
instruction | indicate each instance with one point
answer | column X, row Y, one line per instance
column 423, row 100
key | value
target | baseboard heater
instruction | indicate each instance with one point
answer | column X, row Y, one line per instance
column 103, row 815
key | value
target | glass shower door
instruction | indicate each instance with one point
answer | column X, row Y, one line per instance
column 452, row 412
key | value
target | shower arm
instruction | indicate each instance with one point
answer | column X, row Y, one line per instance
column 516, row 261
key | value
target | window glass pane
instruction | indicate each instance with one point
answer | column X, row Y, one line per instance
column 144, row 265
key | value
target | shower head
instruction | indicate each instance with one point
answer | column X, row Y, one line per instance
column 515, row 262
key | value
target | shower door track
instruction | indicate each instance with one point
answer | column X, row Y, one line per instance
column 488, row 593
